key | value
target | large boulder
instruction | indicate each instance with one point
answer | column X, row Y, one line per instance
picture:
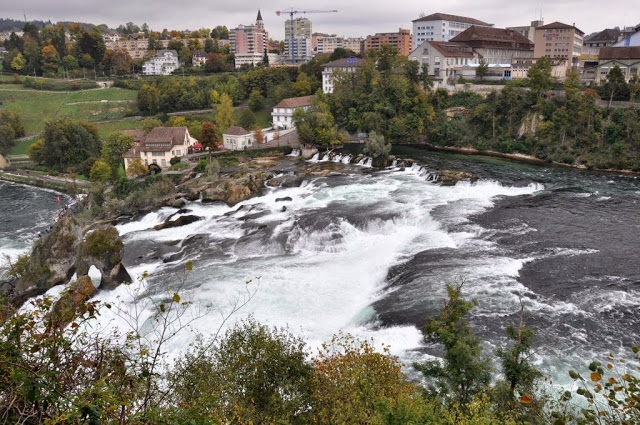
column 52, row 260
column 104, row 249
column 72, row 302
column 237, row 188
column 450, row 178
column 180, row 221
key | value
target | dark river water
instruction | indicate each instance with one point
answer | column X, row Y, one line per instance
column 370, row 252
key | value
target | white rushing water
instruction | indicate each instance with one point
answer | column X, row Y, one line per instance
column 324, row 259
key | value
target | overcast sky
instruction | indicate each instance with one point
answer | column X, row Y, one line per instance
column 354, row 18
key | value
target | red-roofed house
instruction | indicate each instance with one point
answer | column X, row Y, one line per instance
column 283, row 112
column 160, row 145
column 444, row 58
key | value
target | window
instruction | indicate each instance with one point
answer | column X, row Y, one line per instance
column 164, row 162
column 178, row 152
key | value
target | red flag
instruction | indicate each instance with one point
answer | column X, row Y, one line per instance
column 57, row 198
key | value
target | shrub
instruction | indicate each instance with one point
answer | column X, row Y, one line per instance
column 175, row 160
column 201, row 167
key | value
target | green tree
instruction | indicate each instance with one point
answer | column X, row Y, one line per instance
column 464, row 372
column 19, row 62
column 224, row 113
column 113, row 149
column 101, row 172
column 539, row 75
column 50, row 60
column 210, row 137
column 256, row 100
column 148, row 99
column 36, row 151
column 7, row 138
column 254, row 374
column 136, row 168
column 68, row 143
column 302, row 86
column 616, row 87
column 482, row 70
column 12, row 119
column 149, row 124
column 247, row 119
column 352, row 383
column 517, row 369
column 377, row 148
column 315, row 125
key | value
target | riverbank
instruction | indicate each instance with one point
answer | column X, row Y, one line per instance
column 64, row 185
column 528, row 159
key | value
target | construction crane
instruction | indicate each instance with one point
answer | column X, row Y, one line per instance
column 291, row 11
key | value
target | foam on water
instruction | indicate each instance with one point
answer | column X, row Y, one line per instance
column 327, row 277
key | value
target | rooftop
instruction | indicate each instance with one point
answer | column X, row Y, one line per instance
column 447, row 17
column 559, row 26
column 295, row 102
column 236, row 131
column 492, row 35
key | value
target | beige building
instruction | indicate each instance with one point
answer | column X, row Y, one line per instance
column 520, row 67
column 528, row 31
column 282, row 115
column 401, row 40
column 626, row 58
column 559, row 41
column 446, row 60
column 496, row 46
column 4, row 163
column 237, row 139
column 160, row 145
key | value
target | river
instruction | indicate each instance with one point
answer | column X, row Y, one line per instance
column 369, row 252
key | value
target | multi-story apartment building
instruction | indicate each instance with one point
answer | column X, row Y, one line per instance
column 354, row 44
column 445, row 59
column 441, row 27
column 341, row 65
column 301, row 50
column 559, row 41
column 400, row 40
column 317, row 36
column 328, row 44
column 163, row 63
column 137, row 48
column 528, row 31
column 496, row 46
column 298, row 44
column 249, row 38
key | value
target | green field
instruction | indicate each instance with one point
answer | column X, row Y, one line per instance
column 38, row 107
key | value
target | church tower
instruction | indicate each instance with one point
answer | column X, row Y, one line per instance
column 259, row 22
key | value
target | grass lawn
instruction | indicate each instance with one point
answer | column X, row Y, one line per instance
column 37, row 107
column 21, row 148
column 106, row 128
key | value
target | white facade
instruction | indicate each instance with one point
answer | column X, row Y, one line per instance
column 343, row 65
column 163, row 63
column 441, row 27
column 282, row 114
column 301, row 50
column 237, row 139
column 445, row 60
column 160, row 145
column 255, row 59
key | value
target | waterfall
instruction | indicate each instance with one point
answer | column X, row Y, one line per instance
column 366, row 161
column 337, row 158
column 325, row 157
column 295, row 152
column 394, row 164
column 315, row 157
column 346, row 159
